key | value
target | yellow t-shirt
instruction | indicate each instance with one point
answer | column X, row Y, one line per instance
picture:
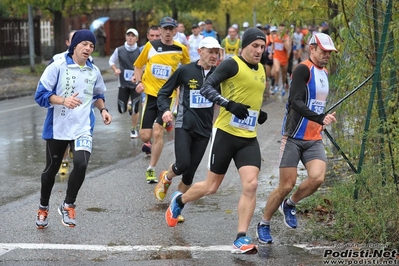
column 160, row 61
column 246, row 87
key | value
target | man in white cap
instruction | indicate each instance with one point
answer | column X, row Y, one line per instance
column 245, row 26
column 121, row 62
column 194, row 118
column 201, row 25
column 302, row 136
column 242, row 84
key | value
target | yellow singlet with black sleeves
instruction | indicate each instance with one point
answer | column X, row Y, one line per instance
column 246, row 87
column 160, row 61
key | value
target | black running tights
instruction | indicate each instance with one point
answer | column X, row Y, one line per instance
column 54, row 152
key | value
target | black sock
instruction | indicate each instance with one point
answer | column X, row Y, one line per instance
column 240, row 234
column 179, row 202
column 273, row 81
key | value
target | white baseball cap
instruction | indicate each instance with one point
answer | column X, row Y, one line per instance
column 201, row 23
column 134, row 31
column 235, row 26
column 245, row 24
column 209, row 42
column 273, row 28
column 324, row 41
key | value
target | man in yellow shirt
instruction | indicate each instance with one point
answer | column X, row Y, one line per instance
column 242, row 84
column 160, row 58
column 231, row 44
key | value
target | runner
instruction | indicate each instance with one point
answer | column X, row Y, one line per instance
column 194, row 120
column 281, row 49
column 242, row 82
column 160, row 58
column 302, row 138
column 125, row 56
column 68, row 88
column 193, row 41
column 231, row 44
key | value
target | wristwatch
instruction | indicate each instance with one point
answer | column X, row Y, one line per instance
column 102, row 109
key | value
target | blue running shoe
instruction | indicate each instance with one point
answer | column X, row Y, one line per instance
column 244, row 245
column 289, row 214
column 283, row 92
column 275, row 89
column 174, row 210
column 263, row 234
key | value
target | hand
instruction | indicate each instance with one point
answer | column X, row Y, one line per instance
column 140, row 87
column 106, row 117
column 262, row 117
column 329, row 118
column 72, row 101
column 167, row 117
column 117, row 72
column 238, row 109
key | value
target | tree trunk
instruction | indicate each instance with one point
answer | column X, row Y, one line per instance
column 227, row 22
column 59, row 42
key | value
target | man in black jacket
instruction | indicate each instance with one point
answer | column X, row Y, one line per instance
column 193, row 125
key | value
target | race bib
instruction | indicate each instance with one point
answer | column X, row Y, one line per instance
column 128, row 74
column 83, row 143
column 161, row 71
column 317, row 106
column 199, row 101
column 248, row 123
column 278, row 46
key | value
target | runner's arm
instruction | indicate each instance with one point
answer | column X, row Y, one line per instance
column 211, row 88
column 167, row 90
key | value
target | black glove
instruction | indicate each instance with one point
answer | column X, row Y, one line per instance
column 262, row 117
column 238, row 109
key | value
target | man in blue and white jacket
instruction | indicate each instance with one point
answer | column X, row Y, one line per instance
column 69, row 87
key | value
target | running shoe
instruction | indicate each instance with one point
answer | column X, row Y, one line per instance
column 161, row 188
column 134, row 134
column 263, row 234
column 289, row 214
column 244, row 245
column 64, row 168
column 275, row 89
column 150, row 176
column 169, row 126
column 180, row 219
column 282, row 92
column 173, row 211
column 41, row 218
column 146, row 148
column 67, row 211
column 129, row 107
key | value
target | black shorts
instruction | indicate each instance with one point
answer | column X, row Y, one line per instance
column 224, row 147
column 151, row 113
column 123, row 98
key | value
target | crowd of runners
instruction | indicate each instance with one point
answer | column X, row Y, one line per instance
column 177, row 82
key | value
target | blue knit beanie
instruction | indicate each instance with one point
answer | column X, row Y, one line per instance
column 80, row 36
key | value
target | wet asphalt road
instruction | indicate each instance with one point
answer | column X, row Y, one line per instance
column 119, row 222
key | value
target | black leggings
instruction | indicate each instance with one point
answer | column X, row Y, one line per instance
column 54, row 152
column 189, row 150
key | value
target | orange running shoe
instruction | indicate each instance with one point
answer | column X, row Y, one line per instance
column 161, row 188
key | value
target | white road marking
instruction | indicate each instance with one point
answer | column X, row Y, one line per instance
column 6, row 247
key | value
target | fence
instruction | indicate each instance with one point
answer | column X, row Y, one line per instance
column 14, row 38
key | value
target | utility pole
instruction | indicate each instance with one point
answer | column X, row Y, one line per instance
column 31, row 39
